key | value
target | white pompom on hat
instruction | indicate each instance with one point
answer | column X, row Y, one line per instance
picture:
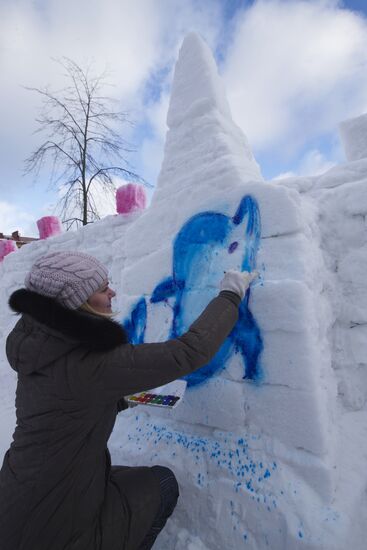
column 68, row 277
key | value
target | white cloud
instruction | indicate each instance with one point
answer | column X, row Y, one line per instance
column 285, row 175
column 14, row 219
column 294, row 70
column 157, row 116
column 120, row 35
column 132, row 39
column 312, row 163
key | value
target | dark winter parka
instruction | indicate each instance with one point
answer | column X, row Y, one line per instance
column 57, row 488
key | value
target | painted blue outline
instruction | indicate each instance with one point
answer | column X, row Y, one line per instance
column 195, row 243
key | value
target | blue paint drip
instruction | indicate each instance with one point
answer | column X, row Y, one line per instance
column 195, row 245
column 135, row 326
column 248, row 206
column 247, row 340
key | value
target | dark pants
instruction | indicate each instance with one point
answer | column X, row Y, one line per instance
column 169, row 495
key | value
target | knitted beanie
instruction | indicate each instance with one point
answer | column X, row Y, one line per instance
column 68, row 277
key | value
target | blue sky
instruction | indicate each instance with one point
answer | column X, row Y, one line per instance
column 292, row 69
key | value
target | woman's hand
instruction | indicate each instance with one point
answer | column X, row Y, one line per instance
column 237, row 281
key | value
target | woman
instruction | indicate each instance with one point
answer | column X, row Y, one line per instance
column 58, row 490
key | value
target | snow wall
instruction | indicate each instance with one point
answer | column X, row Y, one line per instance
column 269, row 445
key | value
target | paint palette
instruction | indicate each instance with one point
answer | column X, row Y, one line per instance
column 167, row 396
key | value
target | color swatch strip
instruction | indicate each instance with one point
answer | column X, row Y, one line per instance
column 154, row 399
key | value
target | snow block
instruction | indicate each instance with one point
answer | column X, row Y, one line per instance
column 354, row 137
column 284, row 305
column 274, row 253
column 290, row 359
column 280, row 212
column 219, row 404
column 352, row 387
column 49, row 226
column 352, row 345
column 280, row 411
column 353, row 267
column 6, row 247
column 130, row 198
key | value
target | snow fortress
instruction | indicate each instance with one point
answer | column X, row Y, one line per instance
column 270, row 444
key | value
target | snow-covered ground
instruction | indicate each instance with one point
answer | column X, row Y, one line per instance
column 269, row 445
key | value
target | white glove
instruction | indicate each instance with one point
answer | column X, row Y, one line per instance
column 237, row 281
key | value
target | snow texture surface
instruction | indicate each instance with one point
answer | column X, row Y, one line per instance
column 269, row 445
column 354, row 137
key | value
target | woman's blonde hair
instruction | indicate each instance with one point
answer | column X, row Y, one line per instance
column 89, row 309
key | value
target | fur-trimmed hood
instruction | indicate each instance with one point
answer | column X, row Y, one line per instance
column 96, row 333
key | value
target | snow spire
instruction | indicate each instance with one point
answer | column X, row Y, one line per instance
column 197, row 87
column 202, row 141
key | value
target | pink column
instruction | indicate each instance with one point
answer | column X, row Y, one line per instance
column 48, row 226
column 130, row 198
column 6, row 246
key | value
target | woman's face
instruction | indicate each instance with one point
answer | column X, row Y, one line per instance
column 101, row 300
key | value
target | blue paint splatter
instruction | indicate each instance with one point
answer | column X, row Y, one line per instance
column 195, row 248
column 241, row 467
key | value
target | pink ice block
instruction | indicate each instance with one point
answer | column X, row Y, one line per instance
column 6, row 246
column 48, row 226
column 130, row 198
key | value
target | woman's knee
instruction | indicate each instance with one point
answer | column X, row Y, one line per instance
column 168, row 487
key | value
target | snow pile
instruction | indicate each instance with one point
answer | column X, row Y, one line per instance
column 269, row 443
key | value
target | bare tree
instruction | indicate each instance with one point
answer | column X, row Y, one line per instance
column 82, row 143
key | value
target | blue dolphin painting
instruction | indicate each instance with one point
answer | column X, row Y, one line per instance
column 206, row 245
